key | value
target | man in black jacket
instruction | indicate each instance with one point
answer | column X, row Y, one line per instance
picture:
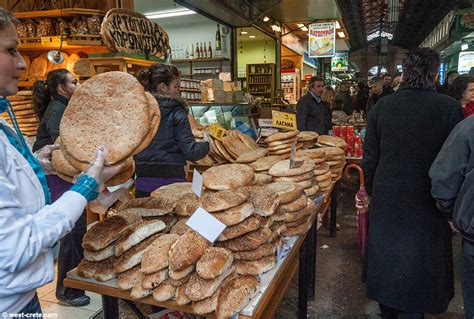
column 452, row 185
column 310, row 111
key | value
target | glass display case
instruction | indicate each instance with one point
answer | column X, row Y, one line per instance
column 229, row 115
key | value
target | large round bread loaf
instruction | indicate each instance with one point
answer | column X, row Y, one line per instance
column 235, row 295
column 282, row 136
column 111, row 110
column 156, row 255
column 214, row 262
column 228, row 176
column 222, row 200
column 187, row 250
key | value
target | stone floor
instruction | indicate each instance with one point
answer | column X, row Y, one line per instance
column 339, row 291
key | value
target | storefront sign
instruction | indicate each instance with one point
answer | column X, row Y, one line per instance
column 465, row 20
column 322, row 40
column 466, row 62
column 131, row 32
column 284, row 120
column 340, row 62
column 217, row 131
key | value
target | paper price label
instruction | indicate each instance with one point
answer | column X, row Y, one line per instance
column 55, row 40
column 293, row 162
column 284, row 120
column 217, row 132
column 205, row 224
column 196, row 186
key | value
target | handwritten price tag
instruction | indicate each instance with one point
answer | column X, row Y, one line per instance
column 217, row 131
column 284, row 120
column 56, row 40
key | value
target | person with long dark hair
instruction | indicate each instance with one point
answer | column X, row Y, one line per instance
column 163, row 161
column 462, row 89
column 50, row 99
column 30, row 222
column 408, row 266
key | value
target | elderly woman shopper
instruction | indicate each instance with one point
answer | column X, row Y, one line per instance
column 408, row 264
column 30, row 224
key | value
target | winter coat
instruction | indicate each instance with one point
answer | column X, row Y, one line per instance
column 408, row 262
column 452, row 178
column 311, row 114
column 48, row 129
column 173, row 144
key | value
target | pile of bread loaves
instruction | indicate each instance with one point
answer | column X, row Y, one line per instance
column 150, row 249
column 98, row 113
column 22, row 104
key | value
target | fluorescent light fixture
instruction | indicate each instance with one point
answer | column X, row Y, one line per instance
column 251, row 36
column 464, row 46
column 377, row 34
column 338, row 26
column 169, row 14
column 276, row 28
column 266, row 19
column 341, row 34
column 243, row 32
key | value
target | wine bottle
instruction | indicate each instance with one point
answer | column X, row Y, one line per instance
column 209, row 51
column 198, row 52
column 203, row 51
column 218, row 50
column 191, row 51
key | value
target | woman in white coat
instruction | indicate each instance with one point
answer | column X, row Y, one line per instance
column 29, row 224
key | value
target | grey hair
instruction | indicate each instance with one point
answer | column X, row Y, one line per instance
column 6, row 17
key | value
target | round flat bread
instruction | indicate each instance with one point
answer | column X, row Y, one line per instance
column 280, row 152
column 321, row 169
column 262, row 179
column 306, row 136
column 306, row 184
column 234, row 145
column 155, row 118
column 314, row 153
column 279, row 147
column 332, row 141
column 282, row 168
column 222, row 151
column 282, row 136
column 286, row 191
column 252, row 156
column 60, row 164
column 298, row 230
column 323, row 177
column 329, row 150
column 265, row 163
column 228, row 176
column 293, row 206
column 65, row 178
column 333, row 163
column 111, row 110
column 288, row 141
column 335, row 157
column 169, row 195
column 122, row 177
column 222, row 200
column 312, row 191
column 324, row 184
column 248, row 141
column 38, row 67
column 297, row 178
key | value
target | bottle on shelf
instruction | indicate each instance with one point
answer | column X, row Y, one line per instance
column 191, row 51
column 197, row 52
column 203, row 51
column 209, row 50
column 218, row 50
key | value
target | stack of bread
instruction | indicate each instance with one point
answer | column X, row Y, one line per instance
column 302, row 175
column 22, row 104
column 336, row 161
column 331, row 141
column 280, row 143
column 307, row 139
column 99, row 113
column 322, row 175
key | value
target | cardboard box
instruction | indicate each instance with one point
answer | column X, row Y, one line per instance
column 225, row 76
column 229, row 97
column 228, row 86
column 238, row 96
column 214, row 84
column 216, row 95
column 236, row 86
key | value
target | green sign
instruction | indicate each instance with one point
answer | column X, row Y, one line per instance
column 340, row 62
column 465, row 20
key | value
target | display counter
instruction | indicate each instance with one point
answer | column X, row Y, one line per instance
column 229, row 115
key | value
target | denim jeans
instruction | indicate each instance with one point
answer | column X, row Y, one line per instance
column 32, row 307
column 467, row 278
column 70, row 255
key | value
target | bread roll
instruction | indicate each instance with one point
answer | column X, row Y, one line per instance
column 248, row 225
column 128, row 279
column 133, row 256
column 198, row 288
column 235, row 295
column 255, row 267
column 155, row 257
column 214, row 262
column 164, row 292
column 152, row 281
column 178, row 275
column 235, row 215
column 187, row 250
column 140, row 232
column 248, row 241
column 222, row 200
column 100, row 255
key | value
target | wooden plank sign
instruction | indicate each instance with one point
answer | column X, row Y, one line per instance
column 127, row 31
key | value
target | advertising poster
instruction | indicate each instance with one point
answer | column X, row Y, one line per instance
column 466, row 62
column 340, row 62
column 322, row 40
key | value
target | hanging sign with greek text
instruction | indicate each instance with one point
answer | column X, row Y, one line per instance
column 127, row 31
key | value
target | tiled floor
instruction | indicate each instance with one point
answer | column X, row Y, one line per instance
column 49, row 303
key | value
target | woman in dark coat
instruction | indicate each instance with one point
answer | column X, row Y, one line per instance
column 162, row 162
column 408, row 264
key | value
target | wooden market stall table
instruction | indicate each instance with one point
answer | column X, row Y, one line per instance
column 301, row 253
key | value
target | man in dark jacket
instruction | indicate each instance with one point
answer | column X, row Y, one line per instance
column 408, row 264
column 310, row 111
column 452, row 185
column 344, row 95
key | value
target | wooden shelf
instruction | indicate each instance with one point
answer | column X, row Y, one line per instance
column 190, row 90
column 252, row 74
column 65, row 47
column 264, row 83
column 57, row 13
column 260, row 93
column 200, row 60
